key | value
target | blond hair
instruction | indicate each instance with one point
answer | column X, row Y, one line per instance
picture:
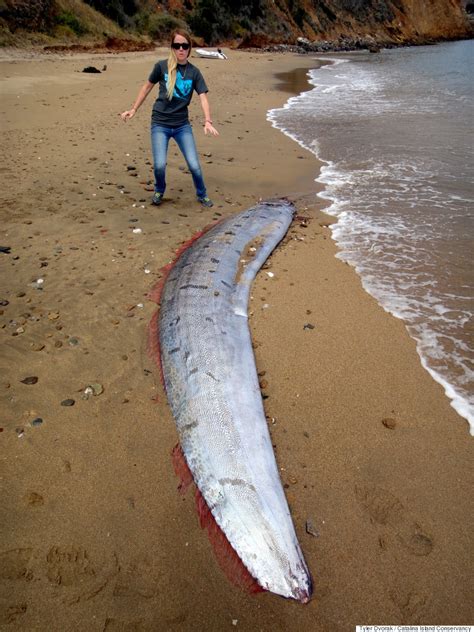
column 173, row 61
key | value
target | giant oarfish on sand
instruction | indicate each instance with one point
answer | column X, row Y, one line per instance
column 213, row 390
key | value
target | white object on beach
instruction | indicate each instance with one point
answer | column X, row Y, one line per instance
column 210, row 54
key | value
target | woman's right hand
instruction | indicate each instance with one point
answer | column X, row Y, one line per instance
column 128, row 115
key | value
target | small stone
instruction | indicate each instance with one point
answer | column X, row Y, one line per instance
column 35, row 499
column 19, row 432
column 308, row 326
column 97, row 389
column 53, row 315
column 68, row 402
column 30, row 380
column 88, row 391
column 37, row 421
column 310, row 530
column 21, row 294
column 4, row 302
column 263, row 384
column 37, row 346
column 73, row 341
column 389, row 423
column 58, row 344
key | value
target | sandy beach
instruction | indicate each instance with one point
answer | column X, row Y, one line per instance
column 376, row 464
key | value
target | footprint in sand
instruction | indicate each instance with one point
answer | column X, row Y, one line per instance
column 411, row 604
column 15, row 564
column 67, row 566
column 114, row 625
column 70, row 571
column 139, row 577
column 73, row 568
column 385, row 509
column 9, row 613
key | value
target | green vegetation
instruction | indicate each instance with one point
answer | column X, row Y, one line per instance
column 160, row 25
column 215, row 20
column 68, row 19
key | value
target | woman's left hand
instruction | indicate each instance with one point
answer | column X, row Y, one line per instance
column 209, row 129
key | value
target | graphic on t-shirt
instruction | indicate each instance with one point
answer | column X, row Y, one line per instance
column 182, row 86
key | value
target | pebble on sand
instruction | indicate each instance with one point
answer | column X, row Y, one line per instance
column 32, row 379
column 68, row 402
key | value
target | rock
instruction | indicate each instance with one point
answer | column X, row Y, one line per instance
column 30, row 380
column 35, row 499
column 4, row 302
column 308, row 326
column 91, row 69
column 53, row 315
column 37, row 346
column 73, row 341
column 304, row 43
column 68, row 402
column 310, row 530
column 389, row 423
column 37, row 421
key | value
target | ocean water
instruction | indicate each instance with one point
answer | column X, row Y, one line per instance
column 395, row 133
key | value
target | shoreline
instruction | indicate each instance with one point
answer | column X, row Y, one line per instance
column 96, row 536
column 298, row 82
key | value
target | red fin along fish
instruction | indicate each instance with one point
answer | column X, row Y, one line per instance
column 213, row 390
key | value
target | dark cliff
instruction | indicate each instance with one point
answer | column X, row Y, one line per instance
column 247, row 23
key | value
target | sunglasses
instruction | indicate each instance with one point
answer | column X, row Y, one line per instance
column 178, row 45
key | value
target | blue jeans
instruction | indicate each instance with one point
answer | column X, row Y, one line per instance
column 183, row 135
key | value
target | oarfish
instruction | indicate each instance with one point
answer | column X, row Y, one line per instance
column 213, row 390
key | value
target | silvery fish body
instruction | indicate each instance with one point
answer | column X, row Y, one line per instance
column 213, row 390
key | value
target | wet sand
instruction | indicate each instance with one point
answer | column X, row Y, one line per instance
column 376, row 464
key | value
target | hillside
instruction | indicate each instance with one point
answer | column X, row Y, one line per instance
column 250, row 23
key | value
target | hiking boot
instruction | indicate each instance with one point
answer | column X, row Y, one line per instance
column 205, row 201
column 157, row 198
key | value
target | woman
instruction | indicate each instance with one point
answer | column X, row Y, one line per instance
column 177, row 79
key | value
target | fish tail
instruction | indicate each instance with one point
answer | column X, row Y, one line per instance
column 227, row 558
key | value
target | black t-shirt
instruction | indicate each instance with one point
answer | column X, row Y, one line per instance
column 175, row 112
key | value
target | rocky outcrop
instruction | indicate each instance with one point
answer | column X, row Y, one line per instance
column 320, row 24
column 365, row 24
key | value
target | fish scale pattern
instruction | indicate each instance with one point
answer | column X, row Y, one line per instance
column 213, row 390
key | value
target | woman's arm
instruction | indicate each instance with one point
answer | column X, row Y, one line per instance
column 142, row 95
column 208, row 128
